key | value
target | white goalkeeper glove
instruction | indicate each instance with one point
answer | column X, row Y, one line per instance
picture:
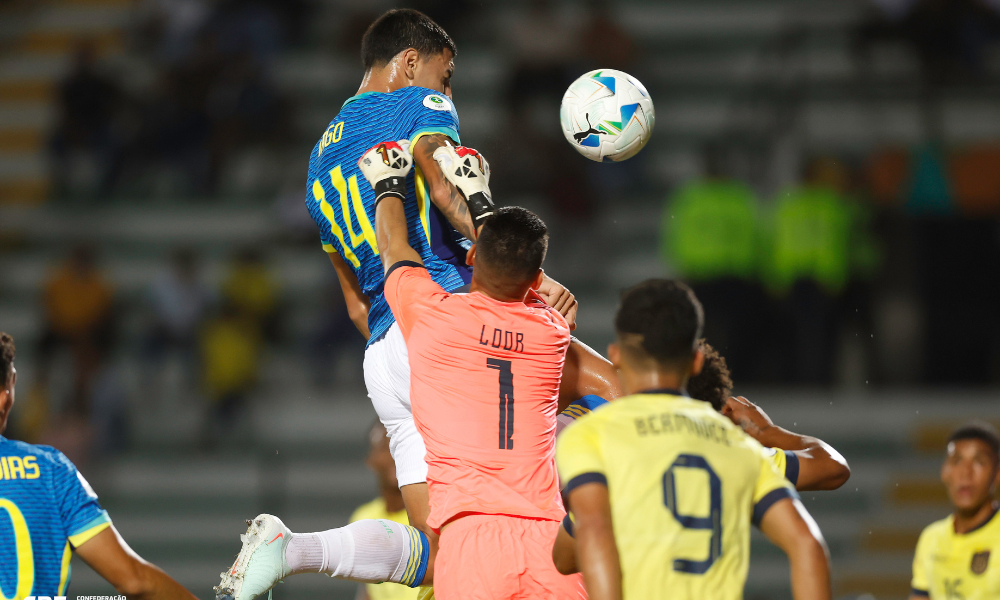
column 468, row 171
column 386, row 166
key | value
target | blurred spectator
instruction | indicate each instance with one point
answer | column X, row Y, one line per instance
column 252, row 293
column 78, row 317
column 336, row 333
column 180, row 303
column 169, row 27
column 230, row 354
column 949, row 36
column 389, row 505
column 244, row 109
column 818, row 244
column 711, row 236
column 85, row 137
column 604, row 43
column 543, row 43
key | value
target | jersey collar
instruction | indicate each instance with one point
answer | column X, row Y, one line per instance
column 357, row 97
column 981, row 525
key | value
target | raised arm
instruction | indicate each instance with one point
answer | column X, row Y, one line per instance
column 587, row 372
column 821, row 467
column 358, row 303
column 385, row 167
column 790, row 527
column 445, row 196
column 109, row 555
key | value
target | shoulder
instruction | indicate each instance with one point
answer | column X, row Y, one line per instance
column 44, row 454
column 935, row 531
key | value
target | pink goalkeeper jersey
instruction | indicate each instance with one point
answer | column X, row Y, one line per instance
column 484, row 388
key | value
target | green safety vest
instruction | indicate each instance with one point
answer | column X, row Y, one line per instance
column 710, row 230
column 813, row 231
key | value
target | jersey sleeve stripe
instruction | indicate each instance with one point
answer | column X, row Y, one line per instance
column 791, row 467
column 401, row 264
column 921, row 593
column 448, row 131
column 97, row 525
column 64, row 570
column 585, row 478
column 567, row 524
column 769, row 500
column 329, row 249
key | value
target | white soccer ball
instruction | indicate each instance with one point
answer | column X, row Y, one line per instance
column 607, row 115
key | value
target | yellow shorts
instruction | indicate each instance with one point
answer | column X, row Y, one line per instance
column 495, row 557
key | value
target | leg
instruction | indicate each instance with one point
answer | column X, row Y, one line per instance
column 481, row 559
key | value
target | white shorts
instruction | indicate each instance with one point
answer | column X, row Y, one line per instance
column 387, row 377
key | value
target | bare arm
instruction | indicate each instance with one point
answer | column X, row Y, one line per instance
column 391, row 233
column 586, row 372
column 821, row 467
column 109, row 555
column 564, row 553
column 444, row 195
column 788, row 525
column 595, row 542
column 357, row 303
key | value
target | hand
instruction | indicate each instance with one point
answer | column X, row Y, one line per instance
column 467, row 170
column 386, row 166
column 560, row 298
column 750, row 417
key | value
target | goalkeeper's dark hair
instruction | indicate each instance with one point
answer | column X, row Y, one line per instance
column 666, row 315
column 511, row 248
column 6, row 358
column 979, row 430
column 399, row 29
column 713, row 384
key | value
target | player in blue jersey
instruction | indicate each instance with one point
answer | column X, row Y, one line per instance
column 405, row 95
column 48, row 511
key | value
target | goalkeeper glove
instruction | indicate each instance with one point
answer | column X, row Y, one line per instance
column 386, row 166
column 468, row 171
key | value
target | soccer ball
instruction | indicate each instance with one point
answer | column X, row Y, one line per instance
column 607, row 115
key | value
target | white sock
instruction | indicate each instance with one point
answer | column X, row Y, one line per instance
column 305, row 554
column 370, row 551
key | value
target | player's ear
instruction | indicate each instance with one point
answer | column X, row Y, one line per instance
column 614, row 354
column 408, row 61
column 698, row 362
column 470, row 258
column 539, row 277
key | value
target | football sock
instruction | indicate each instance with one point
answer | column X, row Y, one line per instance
column 369, row 551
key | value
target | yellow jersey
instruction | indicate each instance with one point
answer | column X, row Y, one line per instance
column 958, row 566
column 385, row 591
column 684, row 485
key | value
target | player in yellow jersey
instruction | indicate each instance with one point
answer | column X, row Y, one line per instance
column 663, row 488
column 389, row 505
column 957, row 557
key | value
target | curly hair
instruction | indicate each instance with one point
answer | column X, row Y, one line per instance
column 714, row 384
column 6, row 357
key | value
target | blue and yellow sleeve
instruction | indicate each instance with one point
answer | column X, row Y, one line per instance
column 583, row 406
column 430, row 112
column 81, row 513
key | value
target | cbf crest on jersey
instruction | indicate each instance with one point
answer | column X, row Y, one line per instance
column 980, row 562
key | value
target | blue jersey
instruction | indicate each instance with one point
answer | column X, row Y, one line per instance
column 342, row 202
column 46, row 509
